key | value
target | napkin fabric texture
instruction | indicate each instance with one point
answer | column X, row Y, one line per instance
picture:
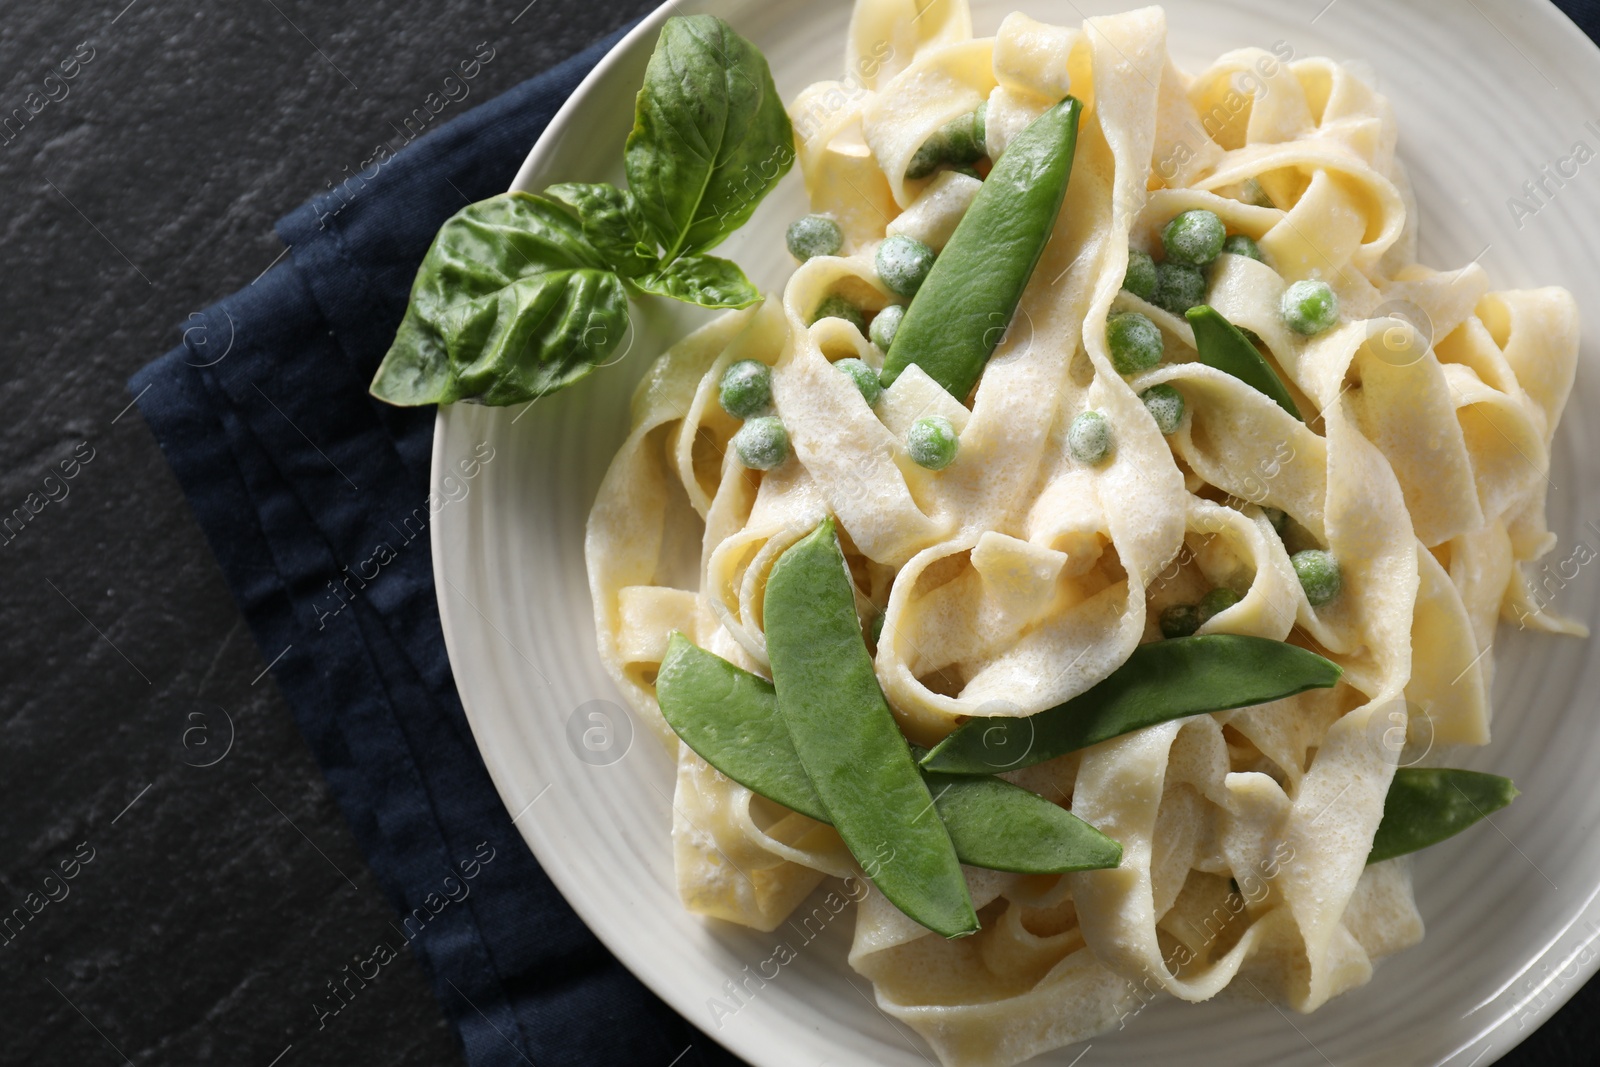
column 314, row 498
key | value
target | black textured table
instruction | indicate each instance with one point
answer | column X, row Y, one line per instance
column 215, row 892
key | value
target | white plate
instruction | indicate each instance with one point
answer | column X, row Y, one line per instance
column 1486, row 92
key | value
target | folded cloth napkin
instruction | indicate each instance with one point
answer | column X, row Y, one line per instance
column 296, row 476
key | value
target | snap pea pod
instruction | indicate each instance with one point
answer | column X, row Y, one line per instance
column 1004, row 827
column 730, row 718
column 848, row 742
column 962, row 310
column 1425, row 805
column 1161, row 681
column 1222, row 345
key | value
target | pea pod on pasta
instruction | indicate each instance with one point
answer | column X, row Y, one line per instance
column 846, row 738
column 961, row 312
column 729, row 717
column 1161, row 681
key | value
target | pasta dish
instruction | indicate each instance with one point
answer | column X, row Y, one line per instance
column 1172, row 494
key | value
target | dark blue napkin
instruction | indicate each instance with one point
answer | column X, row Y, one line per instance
column 297, row 477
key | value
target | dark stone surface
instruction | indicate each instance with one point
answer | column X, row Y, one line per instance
column 219, row 899
column 218, row 905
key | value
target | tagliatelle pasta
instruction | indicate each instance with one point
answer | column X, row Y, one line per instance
column 1020, row 576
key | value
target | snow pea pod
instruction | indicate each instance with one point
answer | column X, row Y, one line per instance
column 1161, row 681
column 1004, row 827
column 1222, row 345
column 848, row 742
column 730, row 718
column 1425, row 805
column 962, row 310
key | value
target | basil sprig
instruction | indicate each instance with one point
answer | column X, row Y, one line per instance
column 521, row 295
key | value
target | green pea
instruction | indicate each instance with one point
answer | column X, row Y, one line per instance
column 1319, row 575
column 926, row 160
column 1426, row 805
column 1178, row 288
column 1310, row 307
column 1216, row 602
column 903, row 264
column 1224, row 346
column 745, row 389
column 963, row 309
column 847, row 740
column 1159, row 682
column 762, row 443
column 1134, row 341
column 730, row 718
column 1140, row 279
column 814, row 235
column 1165, row 405
column 1240, row 244
column 1278, row 517
column 965, row 138
column 865, row 377
column 959, row 141
column 1180, row 620
column 885, row 324
column 1194, row 238
column 1089, row 437
column 837, row 307
column 932, row 442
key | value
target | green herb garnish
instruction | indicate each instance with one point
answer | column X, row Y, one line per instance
column 521, row 295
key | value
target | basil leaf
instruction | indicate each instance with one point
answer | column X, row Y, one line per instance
column 612, row 223
column 710, row 135
column 704, row 280
column 538, row 335
column 511, row 302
